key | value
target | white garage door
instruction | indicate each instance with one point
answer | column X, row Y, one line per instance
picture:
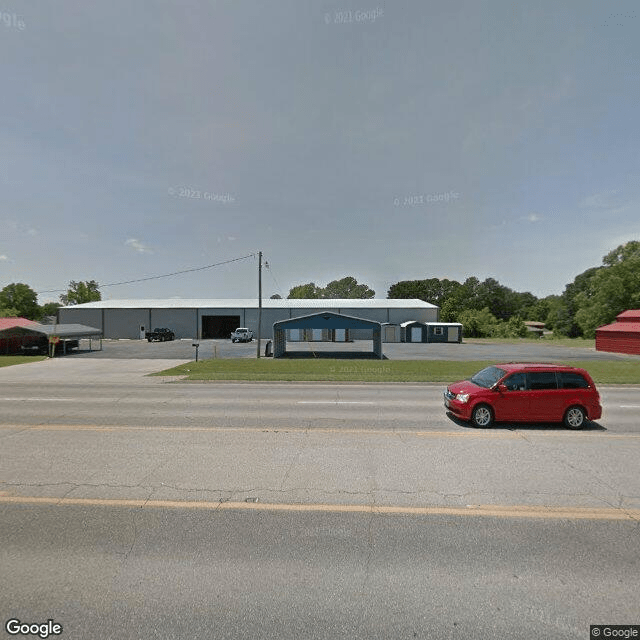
column 416, row 334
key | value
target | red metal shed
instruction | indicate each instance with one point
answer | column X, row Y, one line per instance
column 623, row 336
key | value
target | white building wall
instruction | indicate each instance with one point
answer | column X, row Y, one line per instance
column 186, row 322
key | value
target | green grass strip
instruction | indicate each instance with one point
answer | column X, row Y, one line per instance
column 330, row 370
column 8, row 361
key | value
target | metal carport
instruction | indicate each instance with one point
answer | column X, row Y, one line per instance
column 326, row 320
column 16, row 332
column 71, row 332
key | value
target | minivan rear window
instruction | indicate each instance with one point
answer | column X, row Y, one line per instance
column 569, row 380
column 542, row 380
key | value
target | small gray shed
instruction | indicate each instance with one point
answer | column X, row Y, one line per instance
column 413, row 331
column 390, row 332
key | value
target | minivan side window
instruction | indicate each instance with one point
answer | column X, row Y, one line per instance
column 542, row 380
column 516, row 382
column 569, row 380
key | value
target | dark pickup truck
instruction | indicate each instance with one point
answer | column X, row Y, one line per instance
column 161, row 335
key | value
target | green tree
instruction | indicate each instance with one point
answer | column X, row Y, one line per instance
column 81, row 292
column 563, row 316
column 309, row 290
column 512, row 328
column 614, row 288
column 8, row 313
column 478, row 323
column 347, row 287
column 50, row 308
column 22, row 299
column 432, row 290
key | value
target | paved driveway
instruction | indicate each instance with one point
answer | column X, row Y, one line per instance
column 86, row 370
column 183, row 350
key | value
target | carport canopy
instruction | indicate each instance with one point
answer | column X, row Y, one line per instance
column 20, row 327
column 324, row 320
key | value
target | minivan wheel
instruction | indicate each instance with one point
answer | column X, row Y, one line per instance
column 574, row 418
column 481, row 416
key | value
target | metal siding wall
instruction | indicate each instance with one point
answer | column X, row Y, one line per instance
column 88, row 317
column 398, row 316
column 379, row 315
column 181, row 321
column 361, row 334
column 269, row 316
column 124, row 323
column 618, row 343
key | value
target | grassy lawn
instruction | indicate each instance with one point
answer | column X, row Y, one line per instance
column 7, row 361
column 602, row 371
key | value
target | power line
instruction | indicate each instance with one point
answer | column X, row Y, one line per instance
column 268, row 266
column 166, row 275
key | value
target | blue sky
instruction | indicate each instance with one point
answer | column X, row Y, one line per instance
column 388, row 141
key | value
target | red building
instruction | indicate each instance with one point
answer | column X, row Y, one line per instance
column 15, row 332
column 623, row 336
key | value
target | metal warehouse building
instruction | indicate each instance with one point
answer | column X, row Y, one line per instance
column 217, row 318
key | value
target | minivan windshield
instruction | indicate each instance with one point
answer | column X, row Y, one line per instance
column 488, row 377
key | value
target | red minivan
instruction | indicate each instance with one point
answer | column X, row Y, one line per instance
column 526, row 392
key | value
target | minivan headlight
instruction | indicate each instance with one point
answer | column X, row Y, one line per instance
column 462, row 397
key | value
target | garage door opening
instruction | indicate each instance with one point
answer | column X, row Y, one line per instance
column 219, row 326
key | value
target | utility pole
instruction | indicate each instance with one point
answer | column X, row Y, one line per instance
column 259, row 297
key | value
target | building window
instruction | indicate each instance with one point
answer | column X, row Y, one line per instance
column 438, row 331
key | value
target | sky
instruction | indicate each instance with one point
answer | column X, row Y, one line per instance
column 385, row 141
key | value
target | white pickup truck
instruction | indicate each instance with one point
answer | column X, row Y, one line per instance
column 242, row 334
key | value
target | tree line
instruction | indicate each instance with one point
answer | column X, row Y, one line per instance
column 19, row 299
column 487, row 308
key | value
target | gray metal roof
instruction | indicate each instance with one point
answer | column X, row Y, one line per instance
column 252, row 303
column 62, row 330
column 326, row 320
column 69, row 330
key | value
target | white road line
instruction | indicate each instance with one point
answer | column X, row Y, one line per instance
column 29, row 399
column 333, row 402
column 630, row 406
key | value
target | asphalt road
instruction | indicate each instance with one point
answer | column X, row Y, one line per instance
column 132, row 507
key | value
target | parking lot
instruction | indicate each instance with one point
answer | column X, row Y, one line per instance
column 183, row 350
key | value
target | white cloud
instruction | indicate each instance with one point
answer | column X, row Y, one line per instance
column 140, row 247
column 533, row 217
column 609, row 201
column 4, row 258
